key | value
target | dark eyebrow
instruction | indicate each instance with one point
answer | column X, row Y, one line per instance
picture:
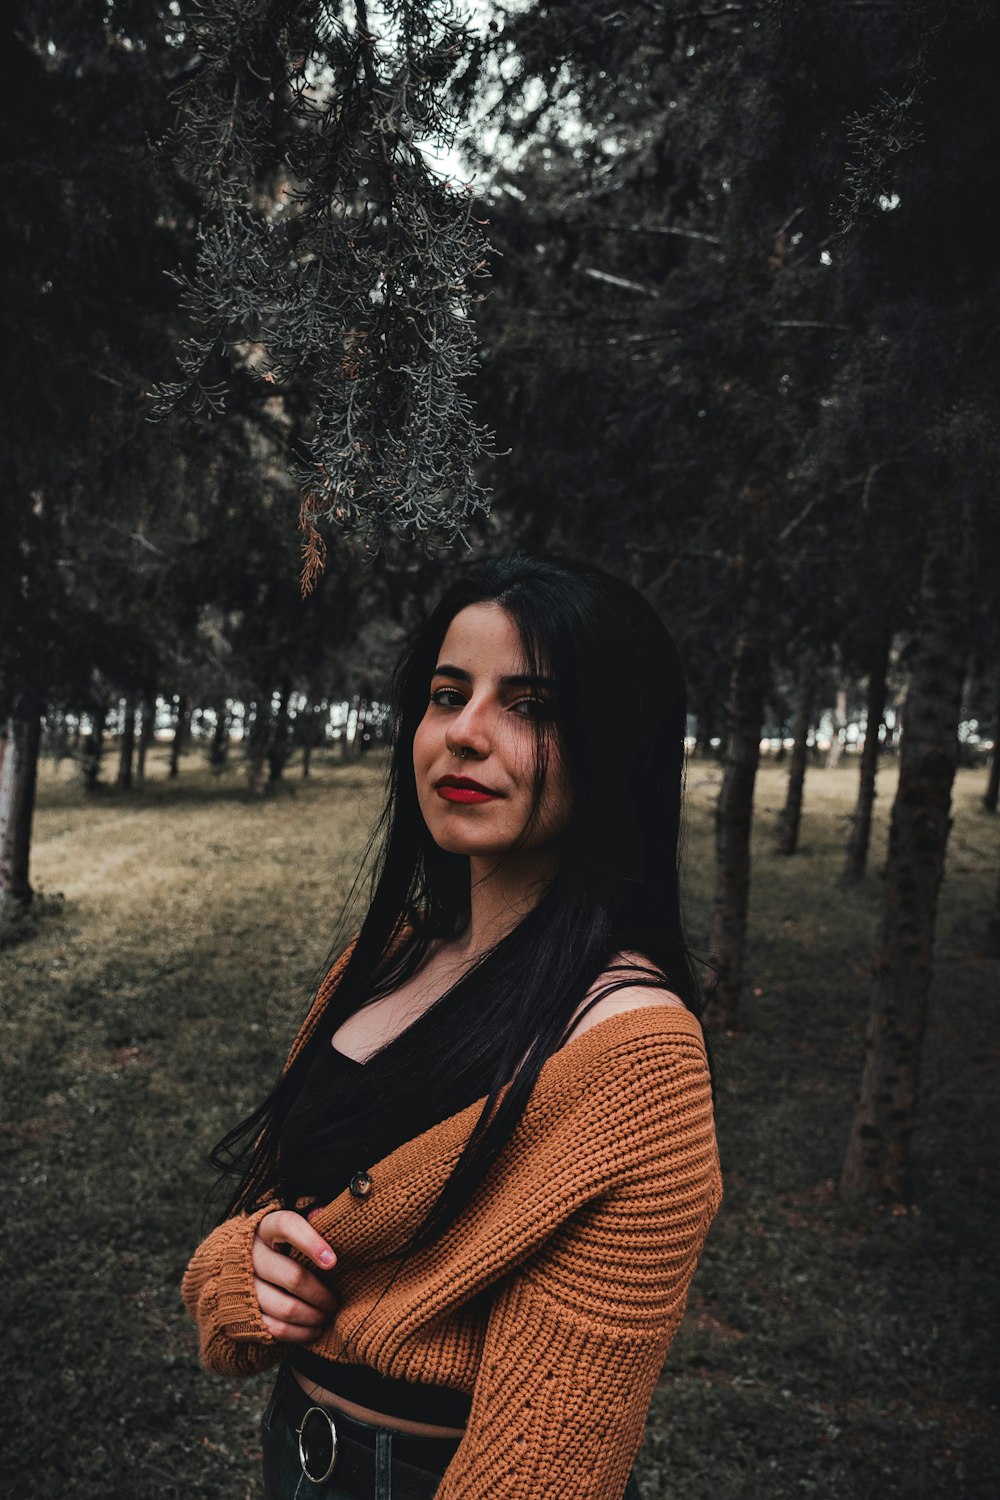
column 525, row 680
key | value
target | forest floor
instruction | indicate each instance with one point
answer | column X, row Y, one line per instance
column 825, row 1352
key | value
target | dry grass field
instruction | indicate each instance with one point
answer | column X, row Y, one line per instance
column 825, row 1352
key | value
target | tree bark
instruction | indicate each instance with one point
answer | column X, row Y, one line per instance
column 218, row 750
column 861, row 828
column 127, row 750
column 182, row 728
column 146, row 725
column 257, row 736
column 310, row 725
column 94, row 749
column 791, row 817
column 18, row 781
column 351, row 729
column 993, row 780
column 878, row 1148
column 734, row 811
column 59, row 740
column 279, row 748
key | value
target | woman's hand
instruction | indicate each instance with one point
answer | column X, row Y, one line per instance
column 294, row 1303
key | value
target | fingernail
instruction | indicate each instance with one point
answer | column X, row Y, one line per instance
column 327, row 1258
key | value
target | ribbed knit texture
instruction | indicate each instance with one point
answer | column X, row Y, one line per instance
column 554, row 1297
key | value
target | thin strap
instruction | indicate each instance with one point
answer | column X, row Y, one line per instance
column 655, row 980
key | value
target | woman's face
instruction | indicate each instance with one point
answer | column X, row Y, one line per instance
column 475, row 749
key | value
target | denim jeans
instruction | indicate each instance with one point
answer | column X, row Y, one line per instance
column 284, row 1479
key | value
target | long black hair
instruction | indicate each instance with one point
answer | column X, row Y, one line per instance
column 619, row 715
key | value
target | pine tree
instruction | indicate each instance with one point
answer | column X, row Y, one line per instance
column 337, row 258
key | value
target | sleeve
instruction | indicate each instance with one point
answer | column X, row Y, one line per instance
column 576, row 1338
column 218, row 1293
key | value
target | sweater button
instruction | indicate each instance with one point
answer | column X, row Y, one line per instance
column 361, row 1185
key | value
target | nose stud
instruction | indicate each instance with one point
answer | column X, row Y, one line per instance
column 461, row 753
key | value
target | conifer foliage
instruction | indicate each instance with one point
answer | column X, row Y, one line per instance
column 339, row 259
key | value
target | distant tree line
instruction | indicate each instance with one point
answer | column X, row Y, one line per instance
column 736, row 345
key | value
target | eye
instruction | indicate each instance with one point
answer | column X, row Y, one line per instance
column 447, row 697
column 532, row 708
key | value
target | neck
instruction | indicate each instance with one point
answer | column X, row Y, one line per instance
column 501, row 894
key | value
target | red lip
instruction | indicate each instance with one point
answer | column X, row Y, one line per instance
column 463, row 789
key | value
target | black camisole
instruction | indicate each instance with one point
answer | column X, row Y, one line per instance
column 335, row 1075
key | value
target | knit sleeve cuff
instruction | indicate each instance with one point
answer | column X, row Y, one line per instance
column 236, row 1302
column 219, row 1294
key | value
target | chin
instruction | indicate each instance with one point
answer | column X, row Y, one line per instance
column 458, row 840
column 455, row 843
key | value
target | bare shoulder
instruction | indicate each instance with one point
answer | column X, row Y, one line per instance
column 633, row 996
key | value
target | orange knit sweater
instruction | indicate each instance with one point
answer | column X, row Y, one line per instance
column 553, row 1298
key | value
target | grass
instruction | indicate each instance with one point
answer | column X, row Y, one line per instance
column 825, row 1352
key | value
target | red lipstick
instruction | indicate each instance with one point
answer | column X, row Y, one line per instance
column 463, row 789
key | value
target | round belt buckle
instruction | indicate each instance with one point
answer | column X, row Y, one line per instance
column 313, row 1447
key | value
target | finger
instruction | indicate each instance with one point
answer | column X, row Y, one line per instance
column 289, row 1272
column 289, row 1228
column 290, row 1276
column 288, row 1333
column 274, row 1303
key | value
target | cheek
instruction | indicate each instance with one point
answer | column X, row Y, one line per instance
column 423, row 756
column 423, row 748
column 558, row 799
column 421, row 765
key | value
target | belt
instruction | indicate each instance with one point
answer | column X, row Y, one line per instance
column 356, row 1455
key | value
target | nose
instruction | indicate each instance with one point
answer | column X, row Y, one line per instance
column 468, row 732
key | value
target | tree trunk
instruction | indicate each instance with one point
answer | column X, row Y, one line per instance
column 218, row 750
column 308, row 726
column 146, row 725
column 889, row 745
column 350, row 738
column 993, row 781
column 124, row 778
column 257, row 736
column 791, row 817
column 279, row 748
column 878, row 1148
column 836, row 749
column 18, row 780
column 857, row 844
column 93, row 750
column 734, row 811
column 59, row 741
column 182, row 728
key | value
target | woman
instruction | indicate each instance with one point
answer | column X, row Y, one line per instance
column 469, row 1212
